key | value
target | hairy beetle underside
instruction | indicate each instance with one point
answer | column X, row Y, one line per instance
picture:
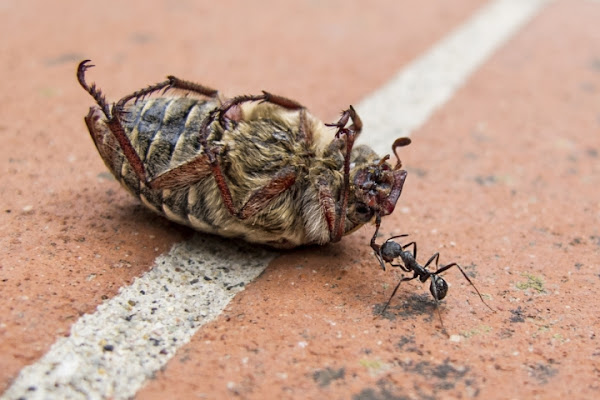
column 261, row 168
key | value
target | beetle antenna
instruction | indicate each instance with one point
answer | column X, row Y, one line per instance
column 400, row 142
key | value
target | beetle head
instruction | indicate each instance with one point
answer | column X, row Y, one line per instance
column 377, row 186
column 377, row 189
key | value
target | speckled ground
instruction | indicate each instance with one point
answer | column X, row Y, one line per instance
column 503, row 179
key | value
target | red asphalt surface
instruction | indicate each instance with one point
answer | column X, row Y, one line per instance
column 503, row 179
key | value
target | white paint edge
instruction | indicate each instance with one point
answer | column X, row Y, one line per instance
column 418, row 90
column 148, row 321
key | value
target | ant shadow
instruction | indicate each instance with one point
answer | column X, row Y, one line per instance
column 406, row 307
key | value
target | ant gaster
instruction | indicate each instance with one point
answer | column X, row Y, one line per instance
column 392, row 250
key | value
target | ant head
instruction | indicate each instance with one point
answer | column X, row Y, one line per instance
column 438, row 287
column 390, row 250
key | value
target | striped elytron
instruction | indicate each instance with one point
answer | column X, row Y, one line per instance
column 261, row 168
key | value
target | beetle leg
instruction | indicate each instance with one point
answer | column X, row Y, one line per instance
column 282, row 181
column 202, row 166
column 172, row 82
column 177, row 177
column 350, row 133
column 115, row 126
column 304, row 133
column 327, row 204
column 266, row 97
column 258, row 200
column 220, row 180
column 181, row 176
column 223, row 111
column 91, row 89
column 113, row 122
column 232, row 104
column 347, row 115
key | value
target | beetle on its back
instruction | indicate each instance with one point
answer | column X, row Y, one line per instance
column 261, row 168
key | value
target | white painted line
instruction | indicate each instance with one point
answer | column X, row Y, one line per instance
column 411, row 97
column 112, row 352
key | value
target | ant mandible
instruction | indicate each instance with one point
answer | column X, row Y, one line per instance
column 391, row 250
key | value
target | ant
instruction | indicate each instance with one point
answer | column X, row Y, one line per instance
column 391, row 250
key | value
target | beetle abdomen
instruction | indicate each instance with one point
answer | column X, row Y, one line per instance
column 165, row 133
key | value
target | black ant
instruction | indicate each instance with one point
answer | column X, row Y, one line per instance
column 391, row 250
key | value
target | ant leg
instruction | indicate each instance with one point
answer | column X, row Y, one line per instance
column 445, row 268
column 401, row 266
column 374, row 245
column 398, row 236
column 443, row 286
column 377, row 248
column 395, row 290
column 434, row 287
column 435, row 257
column 414, row 245
column 438, row 287
column 437, row 302
column 434, row 291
